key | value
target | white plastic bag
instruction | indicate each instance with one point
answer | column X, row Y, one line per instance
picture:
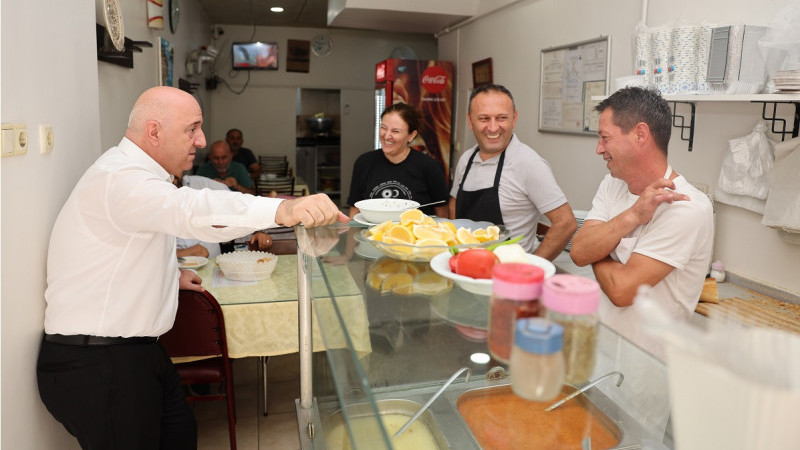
column 746, row 169
column 782, row 208
column 781, row 46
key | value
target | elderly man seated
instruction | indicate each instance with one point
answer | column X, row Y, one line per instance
column 221, row 167
column 194, row 247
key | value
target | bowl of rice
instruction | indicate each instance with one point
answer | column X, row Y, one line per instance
column 247, row 265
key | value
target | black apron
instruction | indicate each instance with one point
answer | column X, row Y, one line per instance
column 483, row 204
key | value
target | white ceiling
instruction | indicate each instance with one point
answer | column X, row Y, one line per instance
column 314, row 13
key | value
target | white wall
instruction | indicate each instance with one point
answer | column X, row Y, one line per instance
column 265, row 111
column 50, row 74
column 514, row 38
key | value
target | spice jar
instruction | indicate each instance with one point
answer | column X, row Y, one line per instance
column 515, row 294
column 537, row 362
column 718, row 271
column 572, row 302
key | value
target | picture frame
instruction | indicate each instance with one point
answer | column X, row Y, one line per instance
column 482, row 72
column 298, row 55
column 165, row 62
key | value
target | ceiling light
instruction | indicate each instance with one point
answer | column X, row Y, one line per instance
column 276, row 9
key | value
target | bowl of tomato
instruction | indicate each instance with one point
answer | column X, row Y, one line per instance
column 466, row 266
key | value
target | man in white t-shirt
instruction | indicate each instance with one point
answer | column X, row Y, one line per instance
column 648, row 224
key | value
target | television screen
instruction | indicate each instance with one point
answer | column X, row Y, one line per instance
column 255, row 55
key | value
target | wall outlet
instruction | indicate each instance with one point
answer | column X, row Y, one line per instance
column 21, row 140
column 46, row 138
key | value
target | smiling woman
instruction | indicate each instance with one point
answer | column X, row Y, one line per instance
column 396, row 171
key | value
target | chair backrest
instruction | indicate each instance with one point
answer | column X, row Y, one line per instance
column 272, row 158
column 278, row 165
column 280, row 185
column 199, row 328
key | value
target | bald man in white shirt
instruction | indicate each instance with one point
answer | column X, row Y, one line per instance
column 113, row 279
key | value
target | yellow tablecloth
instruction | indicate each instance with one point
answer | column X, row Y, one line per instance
column 261, row 317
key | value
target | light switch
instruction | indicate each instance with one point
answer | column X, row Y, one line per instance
column 46, row 138
column 20, row 139
column 8, row 140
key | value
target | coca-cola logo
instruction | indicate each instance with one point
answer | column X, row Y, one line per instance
column 434, row 79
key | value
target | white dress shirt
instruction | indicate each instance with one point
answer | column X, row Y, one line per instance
column 111, row 266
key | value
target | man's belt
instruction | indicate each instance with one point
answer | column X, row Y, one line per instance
column 86, row 340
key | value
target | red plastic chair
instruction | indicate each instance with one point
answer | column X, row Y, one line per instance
column 199, row 330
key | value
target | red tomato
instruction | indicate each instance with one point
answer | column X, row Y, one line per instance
column 476, row 263
column 453, row 262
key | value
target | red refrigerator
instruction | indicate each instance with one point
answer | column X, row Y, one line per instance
column 427, row 85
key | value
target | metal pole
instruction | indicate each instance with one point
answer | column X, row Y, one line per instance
column 304, row 331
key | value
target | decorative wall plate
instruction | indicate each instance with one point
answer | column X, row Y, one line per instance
column 174, row 15
column 112, row 16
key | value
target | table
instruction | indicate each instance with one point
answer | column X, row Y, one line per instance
column 261, row 317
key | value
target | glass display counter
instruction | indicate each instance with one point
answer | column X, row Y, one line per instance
column 394, row 338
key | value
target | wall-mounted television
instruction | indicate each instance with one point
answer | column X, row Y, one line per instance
column 255, row 55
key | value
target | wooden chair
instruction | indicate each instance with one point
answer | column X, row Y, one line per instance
column 279, row 186
column 199, row 330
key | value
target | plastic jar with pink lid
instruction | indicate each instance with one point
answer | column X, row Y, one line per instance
column 516, row 288
column 572, row 302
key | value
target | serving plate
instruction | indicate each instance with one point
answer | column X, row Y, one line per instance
column 192, row 262
column 362, row 220
column 441, row 265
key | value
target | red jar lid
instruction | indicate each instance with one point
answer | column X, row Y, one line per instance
column 517, row 281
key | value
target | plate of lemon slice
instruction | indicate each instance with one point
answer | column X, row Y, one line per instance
column 418, row 237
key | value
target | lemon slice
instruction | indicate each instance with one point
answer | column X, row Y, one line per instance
column 450, row 226
column 400, row 283
column 482, row 235
column 431, row 232
column 494, row 231
column 399, row 233
column 430, row 283
column 381, row 227
column 400, row 249
column 464, row 236
column 374, row 281
column 428, row 242
column 411, row 216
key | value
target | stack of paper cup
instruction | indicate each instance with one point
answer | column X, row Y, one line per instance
column 702, row 55
column 661, row 56
column 642, row 62
column 684, row 70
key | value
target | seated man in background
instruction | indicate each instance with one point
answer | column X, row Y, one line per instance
column 221, row 167
column 242, row 155
column 648, row 224
column 503, row 181
column 194, row 247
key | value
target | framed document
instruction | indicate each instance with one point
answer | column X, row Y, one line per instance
column 570, row 76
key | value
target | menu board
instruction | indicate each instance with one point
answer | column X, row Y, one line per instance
column 570, row 76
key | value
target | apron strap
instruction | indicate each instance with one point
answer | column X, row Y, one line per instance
column 466, row 171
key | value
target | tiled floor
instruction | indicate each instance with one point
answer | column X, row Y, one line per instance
column 277, row 431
